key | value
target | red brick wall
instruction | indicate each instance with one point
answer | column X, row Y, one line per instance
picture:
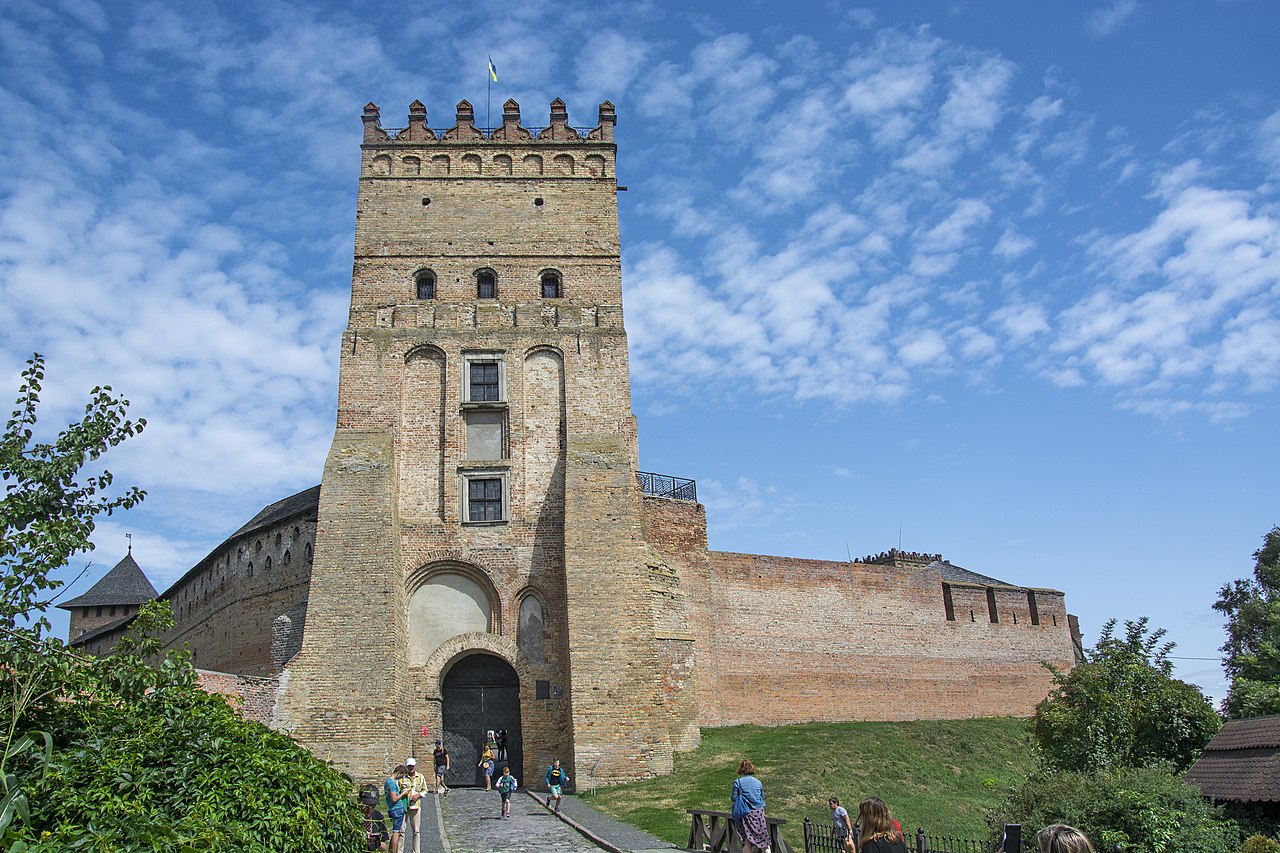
column 814, row 640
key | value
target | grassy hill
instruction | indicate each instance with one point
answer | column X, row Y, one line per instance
column 942, row 775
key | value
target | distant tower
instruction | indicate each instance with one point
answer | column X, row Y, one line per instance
column 109, row 602
column 480, row 561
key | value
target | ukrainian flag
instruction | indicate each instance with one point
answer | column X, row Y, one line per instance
column 493, row 72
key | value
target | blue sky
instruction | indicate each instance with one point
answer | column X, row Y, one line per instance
column 997, row 280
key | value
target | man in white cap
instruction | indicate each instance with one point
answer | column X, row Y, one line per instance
column 416, row 784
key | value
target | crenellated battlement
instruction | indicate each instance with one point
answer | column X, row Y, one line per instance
column 464, row 130
column 894, row 557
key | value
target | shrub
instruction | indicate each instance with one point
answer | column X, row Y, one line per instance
column 1260, row 844
column 1148, row 809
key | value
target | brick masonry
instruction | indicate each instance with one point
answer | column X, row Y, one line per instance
column 642, row 634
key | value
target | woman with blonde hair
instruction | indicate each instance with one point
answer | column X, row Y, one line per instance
column 1060, row 838
column 879, row 832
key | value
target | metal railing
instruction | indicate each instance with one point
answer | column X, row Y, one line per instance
column 664, row 486
column 826, row 839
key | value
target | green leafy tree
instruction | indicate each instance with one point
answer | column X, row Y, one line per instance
column 50, row 504
column 1145, row 809
column 125, row 753
column 1251, row 654
column 1122, row 707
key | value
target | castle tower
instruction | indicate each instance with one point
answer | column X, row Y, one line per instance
column 480, row 562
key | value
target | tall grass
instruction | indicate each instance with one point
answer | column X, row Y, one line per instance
column 942, row 775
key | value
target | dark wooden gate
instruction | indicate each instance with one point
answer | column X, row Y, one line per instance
column 480, row 693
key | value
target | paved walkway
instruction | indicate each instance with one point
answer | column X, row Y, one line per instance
column 469, row 818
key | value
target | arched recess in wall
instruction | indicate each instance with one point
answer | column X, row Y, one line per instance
column 447, row 599
column 543, row 447
column 531, row 628
column 421, row 435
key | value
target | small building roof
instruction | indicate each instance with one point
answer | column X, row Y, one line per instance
column 124, row 584
column 1242, row 762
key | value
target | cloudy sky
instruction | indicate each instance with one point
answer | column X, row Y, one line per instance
column 997, row 280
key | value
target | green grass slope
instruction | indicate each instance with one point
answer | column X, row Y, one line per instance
column 942, row 775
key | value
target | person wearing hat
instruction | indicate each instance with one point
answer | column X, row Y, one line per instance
column 415, row 785
column 441, row 760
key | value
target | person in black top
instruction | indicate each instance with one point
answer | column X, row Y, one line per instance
column 879, row 835
column 441, row 760
column 375, row 825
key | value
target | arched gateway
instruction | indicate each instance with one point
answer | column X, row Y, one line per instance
column 480, row 694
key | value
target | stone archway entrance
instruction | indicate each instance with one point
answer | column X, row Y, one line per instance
column 480, row 692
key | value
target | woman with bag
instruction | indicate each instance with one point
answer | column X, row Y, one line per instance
column 747, row 810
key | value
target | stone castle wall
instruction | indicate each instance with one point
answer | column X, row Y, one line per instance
column 243, row 608
column 816, row 640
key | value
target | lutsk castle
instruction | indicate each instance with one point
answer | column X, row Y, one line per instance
column 484, row 553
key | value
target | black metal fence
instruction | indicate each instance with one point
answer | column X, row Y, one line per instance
column 671, row 488
column 819, row 838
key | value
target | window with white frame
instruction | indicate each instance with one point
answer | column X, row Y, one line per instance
column 484, row 377
column 484, row 496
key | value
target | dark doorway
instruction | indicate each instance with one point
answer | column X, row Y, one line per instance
column 481, row 693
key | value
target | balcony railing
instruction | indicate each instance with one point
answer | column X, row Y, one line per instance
column 671, row 488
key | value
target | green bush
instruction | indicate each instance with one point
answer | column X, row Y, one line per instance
column 1260, row 844
column 144, row 760
column 1148, row 809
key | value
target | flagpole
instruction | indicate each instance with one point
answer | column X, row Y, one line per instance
column 488, row 98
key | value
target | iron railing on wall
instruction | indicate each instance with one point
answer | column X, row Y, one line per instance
column 671, row 488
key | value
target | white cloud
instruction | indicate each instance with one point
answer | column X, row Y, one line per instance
column 1108, row 20
column 1012, row 245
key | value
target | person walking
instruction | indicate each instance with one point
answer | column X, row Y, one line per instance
column 486, row 763
column 1060, row 838
column 557, row 778
column 747, row 810
column 397, row 802
column 506, row 786
column 415, row 785
column 880, row 833
column 502, row 744
column 440, row 758
column 842, row 827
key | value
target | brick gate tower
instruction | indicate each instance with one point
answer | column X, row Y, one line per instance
column 480, row 561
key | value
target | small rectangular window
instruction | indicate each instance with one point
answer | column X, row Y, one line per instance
column 486, row 285
column 484, row 499
column 483, row 382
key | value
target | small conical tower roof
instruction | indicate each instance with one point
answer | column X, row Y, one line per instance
column 125, row 584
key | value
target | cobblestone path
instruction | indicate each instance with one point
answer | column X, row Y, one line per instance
column 472, row 825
